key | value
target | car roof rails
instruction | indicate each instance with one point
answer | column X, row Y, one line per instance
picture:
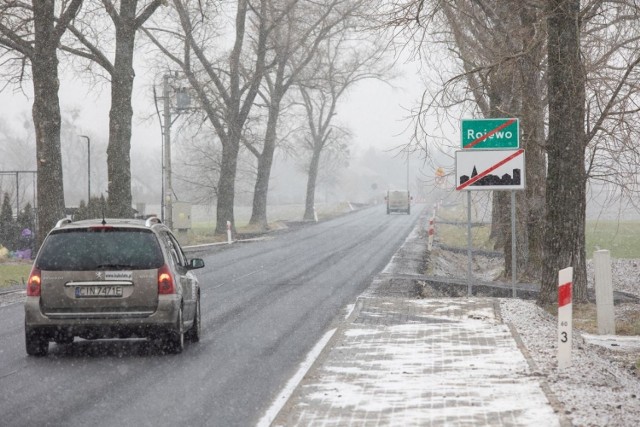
column 151, row 221
column 62, row 222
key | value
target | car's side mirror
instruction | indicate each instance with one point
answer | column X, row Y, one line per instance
column 195, row 263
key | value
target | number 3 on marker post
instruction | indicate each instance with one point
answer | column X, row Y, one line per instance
column 565, row 314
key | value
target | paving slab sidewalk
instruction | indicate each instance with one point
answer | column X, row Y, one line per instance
column 412, row 362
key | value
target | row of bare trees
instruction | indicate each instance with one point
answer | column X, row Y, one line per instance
column 569, row 71
column 241, row 72
column 31, row 37
column 245, row 90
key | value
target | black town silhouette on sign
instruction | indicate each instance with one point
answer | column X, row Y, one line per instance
column 506, row 179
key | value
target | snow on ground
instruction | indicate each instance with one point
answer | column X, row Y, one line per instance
column 401, row 384
column 601, row 388
column 421, row 362
column 596, row 390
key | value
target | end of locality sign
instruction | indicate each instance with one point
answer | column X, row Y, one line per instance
column 490, row 170
column 500, row 133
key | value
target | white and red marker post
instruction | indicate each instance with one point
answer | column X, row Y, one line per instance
column 229, row 241
column 565, row 317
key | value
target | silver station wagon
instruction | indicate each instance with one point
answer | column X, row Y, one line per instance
column 112, row 278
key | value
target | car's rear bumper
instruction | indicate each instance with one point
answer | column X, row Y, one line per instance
column 104, row 325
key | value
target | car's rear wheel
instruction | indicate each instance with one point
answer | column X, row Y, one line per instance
column 36, row 345
column 194, row 333
column 174, row 341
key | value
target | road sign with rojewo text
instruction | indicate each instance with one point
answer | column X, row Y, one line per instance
column 490, row 170
column 503, row 133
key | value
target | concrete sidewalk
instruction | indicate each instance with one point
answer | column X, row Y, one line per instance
column 411, row 362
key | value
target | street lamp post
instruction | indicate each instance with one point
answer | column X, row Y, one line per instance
column 88, row 167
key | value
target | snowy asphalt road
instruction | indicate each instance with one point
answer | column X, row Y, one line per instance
column 265, row 304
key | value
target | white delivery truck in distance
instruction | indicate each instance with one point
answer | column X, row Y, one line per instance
column 398, row 201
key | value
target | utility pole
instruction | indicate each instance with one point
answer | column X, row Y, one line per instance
column 408, row 169
column 88, row 167
column 168, row 207
column 182, row 104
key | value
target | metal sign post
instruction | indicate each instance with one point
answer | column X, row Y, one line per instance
column 513, row 244
column 469, row 257
column 491, row 159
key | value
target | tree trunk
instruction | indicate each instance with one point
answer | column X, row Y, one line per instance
column 237, row 111
column 118, row 151
column 226, row 185
column 504, row 101
column 533, row 143
column 46, row 118
column 499, row 219
column 500, row 207
column 265, row 162
column 310, row 200
column 566, row 180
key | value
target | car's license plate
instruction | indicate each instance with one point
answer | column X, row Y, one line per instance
column 98, row 291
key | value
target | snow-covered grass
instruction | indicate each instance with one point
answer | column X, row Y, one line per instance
column 599, row 389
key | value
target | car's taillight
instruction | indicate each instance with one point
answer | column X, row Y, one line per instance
column 34, row 282
column 165, row 281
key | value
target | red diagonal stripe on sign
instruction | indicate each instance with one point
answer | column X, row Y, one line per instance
column 491, row 169
column 488, row 134
column 564, row 294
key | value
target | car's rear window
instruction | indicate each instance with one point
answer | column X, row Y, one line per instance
column 100, row 248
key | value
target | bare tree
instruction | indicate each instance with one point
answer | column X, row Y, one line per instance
column 294, row 43
column 592, row 52
column 532, row 113
column 339, row 65
column 499, row 46
column 566, row 180
column 31, row 33
column 226, row 87
column 127, row 20
column 199, row 162
column 200, row 166
column 610, row 46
